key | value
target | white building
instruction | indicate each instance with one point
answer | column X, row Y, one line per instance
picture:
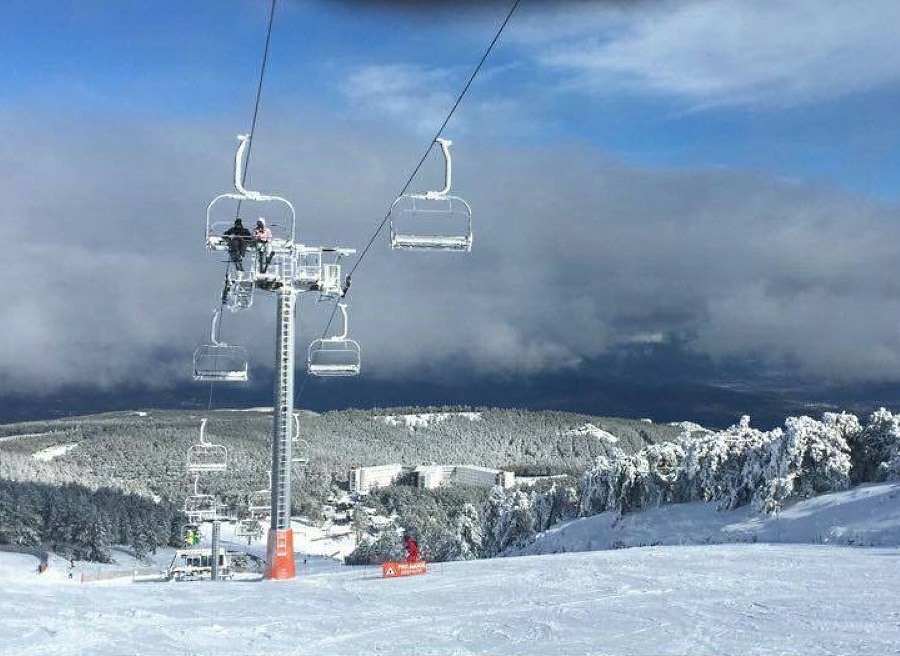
column 365, row 479
column 431, row 476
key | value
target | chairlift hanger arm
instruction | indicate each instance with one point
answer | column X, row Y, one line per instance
column 448, row 169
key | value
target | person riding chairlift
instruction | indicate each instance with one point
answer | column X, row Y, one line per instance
column 238, row 237
column 262, row 236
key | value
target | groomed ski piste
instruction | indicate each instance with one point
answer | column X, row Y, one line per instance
column 798, row 583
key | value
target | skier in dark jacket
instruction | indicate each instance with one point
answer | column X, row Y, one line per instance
column 238, row 237
column 412, row 549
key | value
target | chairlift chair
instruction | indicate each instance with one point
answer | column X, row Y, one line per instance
column 259, row 504
column 319, row 269
column 206, row 456
column 433, row 221
column 238, row 294
column 200, row 507
column 217, row 361
column 191, row 534
column 295, row 438
column 248, row 528
column 334, row 356
column 282, row 232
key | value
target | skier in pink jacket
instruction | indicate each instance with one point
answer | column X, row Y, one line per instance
column 262, row 237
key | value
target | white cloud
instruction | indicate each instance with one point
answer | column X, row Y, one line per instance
column 723, row 52
column 417, row 95
column 574, row 255
column 418, row 98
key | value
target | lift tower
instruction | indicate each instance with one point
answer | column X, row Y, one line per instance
column 285, row 268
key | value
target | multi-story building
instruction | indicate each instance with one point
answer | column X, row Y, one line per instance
column 364, row 479
column 431, row 476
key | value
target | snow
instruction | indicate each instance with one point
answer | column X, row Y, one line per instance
column 715, row 599
column 529, row 481
column 760, row 598
column 412, row 422
column 590, row 429
column 868, row 515
column 51, row 452
column 689, row 427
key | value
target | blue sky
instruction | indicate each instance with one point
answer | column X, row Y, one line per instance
column 720, row 175
column 199, row 60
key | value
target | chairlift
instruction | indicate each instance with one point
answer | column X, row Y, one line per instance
column 433, row 221
column 319, row 269
column 259, row 503
column 282, row 229
column 238, row 293
column 200, row 507
column 295, row 438
column 217, row 361
column 248, row 528
column 191, row 535
column 206, row 456
column 334, row 356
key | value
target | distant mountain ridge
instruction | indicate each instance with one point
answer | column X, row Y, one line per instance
column 144, row 451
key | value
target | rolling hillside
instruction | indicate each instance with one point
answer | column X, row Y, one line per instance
column 144, row 452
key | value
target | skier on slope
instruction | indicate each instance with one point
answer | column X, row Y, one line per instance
column 412, row 549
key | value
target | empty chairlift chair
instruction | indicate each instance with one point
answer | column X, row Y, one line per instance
column 218, row 361
column 206, row 456
column 259, row 504
column 248, row 528
column 300, row 460
column 334, row 356
column 239, row 290
column 200, row 507
column 433, row 221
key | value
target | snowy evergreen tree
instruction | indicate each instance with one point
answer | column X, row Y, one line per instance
column 468, row 539
column 734, row 467
column 876, row 448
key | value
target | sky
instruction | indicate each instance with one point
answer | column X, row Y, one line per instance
column 670, row 199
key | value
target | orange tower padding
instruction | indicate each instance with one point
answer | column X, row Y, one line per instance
column 280, row 554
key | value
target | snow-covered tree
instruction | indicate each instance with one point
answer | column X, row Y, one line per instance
column 734, row 467
column 810, row 458
column 875, row 450
column 468, row 539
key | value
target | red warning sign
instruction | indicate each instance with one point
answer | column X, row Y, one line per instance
column 393, row 570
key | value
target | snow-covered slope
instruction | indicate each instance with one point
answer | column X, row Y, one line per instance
column 868, row 515
column 701, row 599
column 52, row 452
column 593, row 431
column 725, row 599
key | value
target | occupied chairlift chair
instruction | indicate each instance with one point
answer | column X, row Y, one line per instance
column 206, row 456
column 217, row 361
column 189, row 532
column 200, row 507
column 334, row 356
column 433, row 221
column 239, row 291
